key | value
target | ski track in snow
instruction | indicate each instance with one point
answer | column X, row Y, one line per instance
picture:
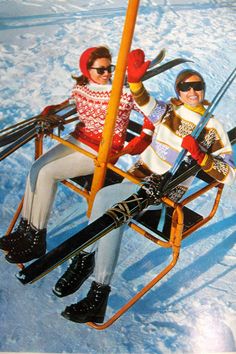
column 193, row 309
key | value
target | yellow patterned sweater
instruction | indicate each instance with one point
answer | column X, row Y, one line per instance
column 172, row 123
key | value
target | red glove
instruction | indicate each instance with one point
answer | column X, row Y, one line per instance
column 138, row 144
column 51, row 109
column 137, row 66
column 148, row 127
column 190, row 144
column 48, row 110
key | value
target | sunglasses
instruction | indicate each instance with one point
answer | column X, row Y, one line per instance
column 110, row 69
column 196, row 85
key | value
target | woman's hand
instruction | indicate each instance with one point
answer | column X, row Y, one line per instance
column 48, row 110
column 191, row 145
column 137, row 66
column 138, row 144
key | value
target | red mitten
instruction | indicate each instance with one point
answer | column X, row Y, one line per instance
column 137, row 66
column 148, row 127
column 191, row 145
column 48, row 110
column 138, row 144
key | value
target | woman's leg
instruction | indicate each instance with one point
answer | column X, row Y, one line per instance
column 41, row 189
column 108, row 247
column 39, row 199
column 93, row 306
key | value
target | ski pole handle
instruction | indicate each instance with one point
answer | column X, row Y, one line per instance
column 207, row 115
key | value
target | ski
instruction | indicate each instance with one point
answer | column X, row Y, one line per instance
column 103, row 225
column 96, row 230
column 159, row 57
column 12, row 136
column 25, row 138
column 17, row 126
column 164, row 67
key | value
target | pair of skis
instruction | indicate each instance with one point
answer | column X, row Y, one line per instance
column 15, row 136
column 120, row 213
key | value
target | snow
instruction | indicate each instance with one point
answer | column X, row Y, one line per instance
column 193, row 309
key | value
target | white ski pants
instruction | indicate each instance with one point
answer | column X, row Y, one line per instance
column 58, row 163
column 108, row 247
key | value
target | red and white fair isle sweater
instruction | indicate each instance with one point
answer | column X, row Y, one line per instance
column 91, row 103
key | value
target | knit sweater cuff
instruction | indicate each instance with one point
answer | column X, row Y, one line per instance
column 140, row 94
column 135, row 86
column 204, row 161
column 214, row 167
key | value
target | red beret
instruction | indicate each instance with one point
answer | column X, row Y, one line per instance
column 83, row 61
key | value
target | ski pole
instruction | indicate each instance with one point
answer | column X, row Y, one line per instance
column 196, row 132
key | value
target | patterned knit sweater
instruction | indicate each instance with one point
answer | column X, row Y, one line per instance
column 91, row 102
column 172, row 123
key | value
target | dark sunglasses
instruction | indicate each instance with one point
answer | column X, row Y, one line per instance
column 110, row 69
column 196, row 85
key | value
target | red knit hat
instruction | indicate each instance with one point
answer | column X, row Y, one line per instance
column 83, row 61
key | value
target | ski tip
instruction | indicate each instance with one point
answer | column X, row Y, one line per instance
column 21, row 277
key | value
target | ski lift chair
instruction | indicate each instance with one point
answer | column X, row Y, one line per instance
column 180, row 220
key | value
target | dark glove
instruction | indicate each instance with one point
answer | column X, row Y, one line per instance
column 191, row 145
column 137, row 66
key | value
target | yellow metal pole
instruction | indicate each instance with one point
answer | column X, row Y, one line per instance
column 105, row 145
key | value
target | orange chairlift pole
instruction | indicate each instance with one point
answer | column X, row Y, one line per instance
column 109, row 125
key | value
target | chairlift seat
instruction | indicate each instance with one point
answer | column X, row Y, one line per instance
column 150, row 220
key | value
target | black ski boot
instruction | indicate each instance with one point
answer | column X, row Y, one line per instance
column 92, row 308
column 79, row 270
column 8, row 242
column 32, row 245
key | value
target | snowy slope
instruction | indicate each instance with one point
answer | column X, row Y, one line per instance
column 193, row 309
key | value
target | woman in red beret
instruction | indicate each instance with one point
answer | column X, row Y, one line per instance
column 91, row 95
